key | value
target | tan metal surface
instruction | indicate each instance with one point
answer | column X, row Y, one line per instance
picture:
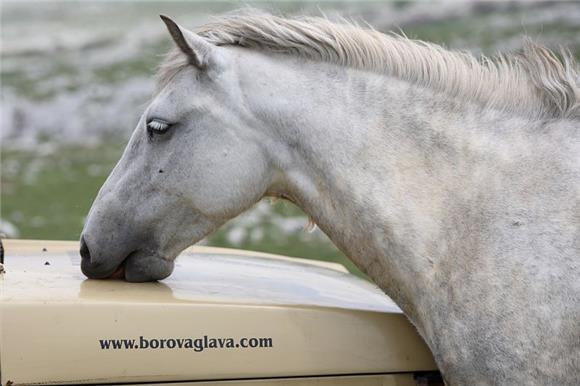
column 67, row 246
column 321, row 320
column 360, row 380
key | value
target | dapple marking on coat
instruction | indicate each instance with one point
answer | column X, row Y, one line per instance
column 454, row 183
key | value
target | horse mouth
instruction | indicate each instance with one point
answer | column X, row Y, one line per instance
column 140, row 265
column 101, row 273
column 119, row 273
column 99, row 269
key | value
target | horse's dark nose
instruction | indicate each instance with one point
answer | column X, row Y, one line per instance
column 98, row 263
column 85, row 253
column 92, row 264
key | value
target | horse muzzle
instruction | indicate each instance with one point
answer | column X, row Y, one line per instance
column 133, row 265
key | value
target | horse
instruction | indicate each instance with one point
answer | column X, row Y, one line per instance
column 452, row 181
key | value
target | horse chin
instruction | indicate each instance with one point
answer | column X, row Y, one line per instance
column 141, row 267
column 119, row 274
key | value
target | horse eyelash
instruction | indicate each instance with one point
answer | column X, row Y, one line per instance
column 155, row 125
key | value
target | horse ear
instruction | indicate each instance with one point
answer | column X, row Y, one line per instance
column 195, row 47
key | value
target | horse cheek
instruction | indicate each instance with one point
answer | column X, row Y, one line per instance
column 231, row 185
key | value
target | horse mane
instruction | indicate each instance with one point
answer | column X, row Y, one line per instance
column 535, row 81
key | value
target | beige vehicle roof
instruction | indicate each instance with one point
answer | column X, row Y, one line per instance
column 223, row 314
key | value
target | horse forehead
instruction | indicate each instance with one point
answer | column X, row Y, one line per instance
column 184, row 82
column 173, row 98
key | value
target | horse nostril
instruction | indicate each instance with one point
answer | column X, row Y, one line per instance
column 85, row 253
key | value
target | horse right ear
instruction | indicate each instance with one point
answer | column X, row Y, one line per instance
column 198, row 51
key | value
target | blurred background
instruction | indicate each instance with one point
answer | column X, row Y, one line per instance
column 76, row 75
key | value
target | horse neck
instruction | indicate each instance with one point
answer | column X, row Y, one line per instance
column 376, row 162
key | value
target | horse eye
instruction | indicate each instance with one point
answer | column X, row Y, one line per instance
column 157, row 126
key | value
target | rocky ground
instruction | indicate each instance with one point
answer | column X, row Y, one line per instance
column 76, row 75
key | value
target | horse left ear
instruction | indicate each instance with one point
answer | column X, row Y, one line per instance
column 195, row 47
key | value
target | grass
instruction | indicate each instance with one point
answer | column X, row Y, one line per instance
column 29, row 85
column 46, row 196
column 476, row 31
column 143, row 65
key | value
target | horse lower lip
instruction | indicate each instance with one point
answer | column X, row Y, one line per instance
column 119, row 273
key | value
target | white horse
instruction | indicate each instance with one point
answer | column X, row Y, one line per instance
column 454, row 183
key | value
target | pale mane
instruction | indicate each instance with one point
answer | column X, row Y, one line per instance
column 534, row 82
